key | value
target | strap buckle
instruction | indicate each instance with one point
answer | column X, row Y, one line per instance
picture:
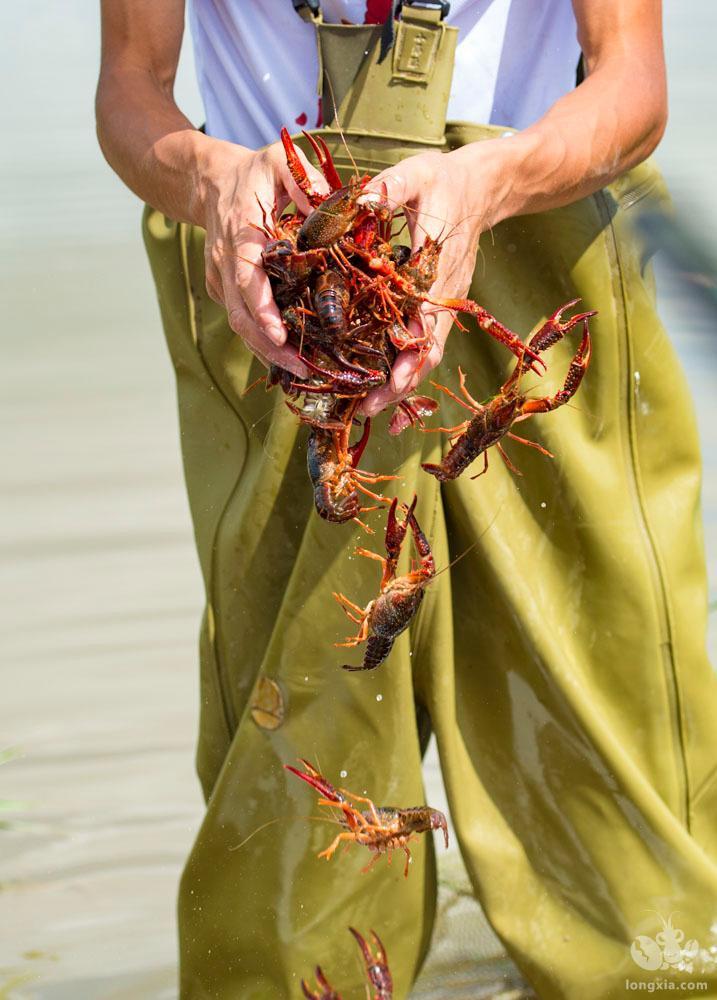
column 308, row 10
column 442, row 5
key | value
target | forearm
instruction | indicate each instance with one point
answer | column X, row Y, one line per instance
column 585, row 141
column 151, row 145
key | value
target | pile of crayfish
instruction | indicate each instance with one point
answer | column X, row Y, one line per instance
column 351, row 298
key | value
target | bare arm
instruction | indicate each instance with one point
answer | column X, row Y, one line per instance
column 191, row 177
column 609, row 123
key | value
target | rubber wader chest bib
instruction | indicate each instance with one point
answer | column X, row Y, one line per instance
column 561, row 661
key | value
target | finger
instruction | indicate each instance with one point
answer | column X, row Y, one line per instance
column 404, row 371
column 214, row 286
column 251, row 281
column 397, row 184
column 408, row 370
column 242, row 323
column 410, row 186
column 379, row 399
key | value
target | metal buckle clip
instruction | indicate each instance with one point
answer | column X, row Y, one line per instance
column 442, row 5
column 307, row 9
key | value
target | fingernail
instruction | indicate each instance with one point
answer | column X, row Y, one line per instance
column 277, row 334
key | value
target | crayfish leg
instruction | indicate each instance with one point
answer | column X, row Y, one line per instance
column 369, row 802
column 462, row 382
column 346, row 603
column 449, row 392
column 531, row 444
column 362, row 524
column 502, row 452
column 478, row 474
column 329, row 852
column 371, row 555
column 373, row 861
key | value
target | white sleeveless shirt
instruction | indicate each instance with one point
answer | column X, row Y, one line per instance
column 257, row 65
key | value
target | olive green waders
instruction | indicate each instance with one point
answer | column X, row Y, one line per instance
column 561, row 662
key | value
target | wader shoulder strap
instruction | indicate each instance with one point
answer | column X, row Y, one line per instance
column 404, row 97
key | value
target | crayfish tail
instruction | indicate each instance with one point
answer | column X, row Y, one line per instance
column 377, row 649
column 441, row 474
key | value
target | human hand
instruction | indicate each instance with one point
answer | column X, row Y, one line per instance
column 233, row 185
column 450, row 195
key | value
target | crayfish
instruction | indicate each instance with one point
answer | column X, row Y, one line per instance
column 492, row 421
column 383, row 829
column 333, row 471
column 376, row 967
column 384, row 618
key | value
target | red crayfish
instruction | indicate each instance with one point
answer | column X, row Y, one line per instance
column 383, row 829
column 492, row 421
column 384, row 618
column 376, row 967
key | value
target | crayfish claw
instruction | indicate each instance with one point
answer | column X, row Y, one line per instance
column 297, row 169
column 326, row 161
column 327, row 990
column 316, row 780
column 377, row 971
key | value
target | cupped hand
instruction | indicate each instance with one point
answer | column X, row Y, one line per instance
column 235, row 185
column 445, row 197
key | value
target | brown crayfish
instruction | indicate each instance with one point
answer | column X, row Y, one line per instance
column 492, row 421
column 383, row 829
column 384, row 618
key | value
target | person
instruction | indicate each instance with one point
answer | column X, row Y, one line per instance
column 561, row 662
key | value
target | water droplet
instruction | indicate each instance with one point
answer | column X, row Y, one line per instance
column 306, row 678
column 511, row 248
column 266, row 76
column 379, row 697
column 543, row 504
column 343, row 774
column 637, row 378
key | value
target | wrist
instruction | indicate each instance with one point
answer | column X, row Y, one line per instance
column 495, row 176
column 205, row 163
column 207, row 168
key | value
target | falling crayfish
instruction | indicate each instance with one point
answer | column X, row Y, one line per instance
column 492, row 421
column 384, row 618
column 376, row 968
column 334, row 473
column 383, row 829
